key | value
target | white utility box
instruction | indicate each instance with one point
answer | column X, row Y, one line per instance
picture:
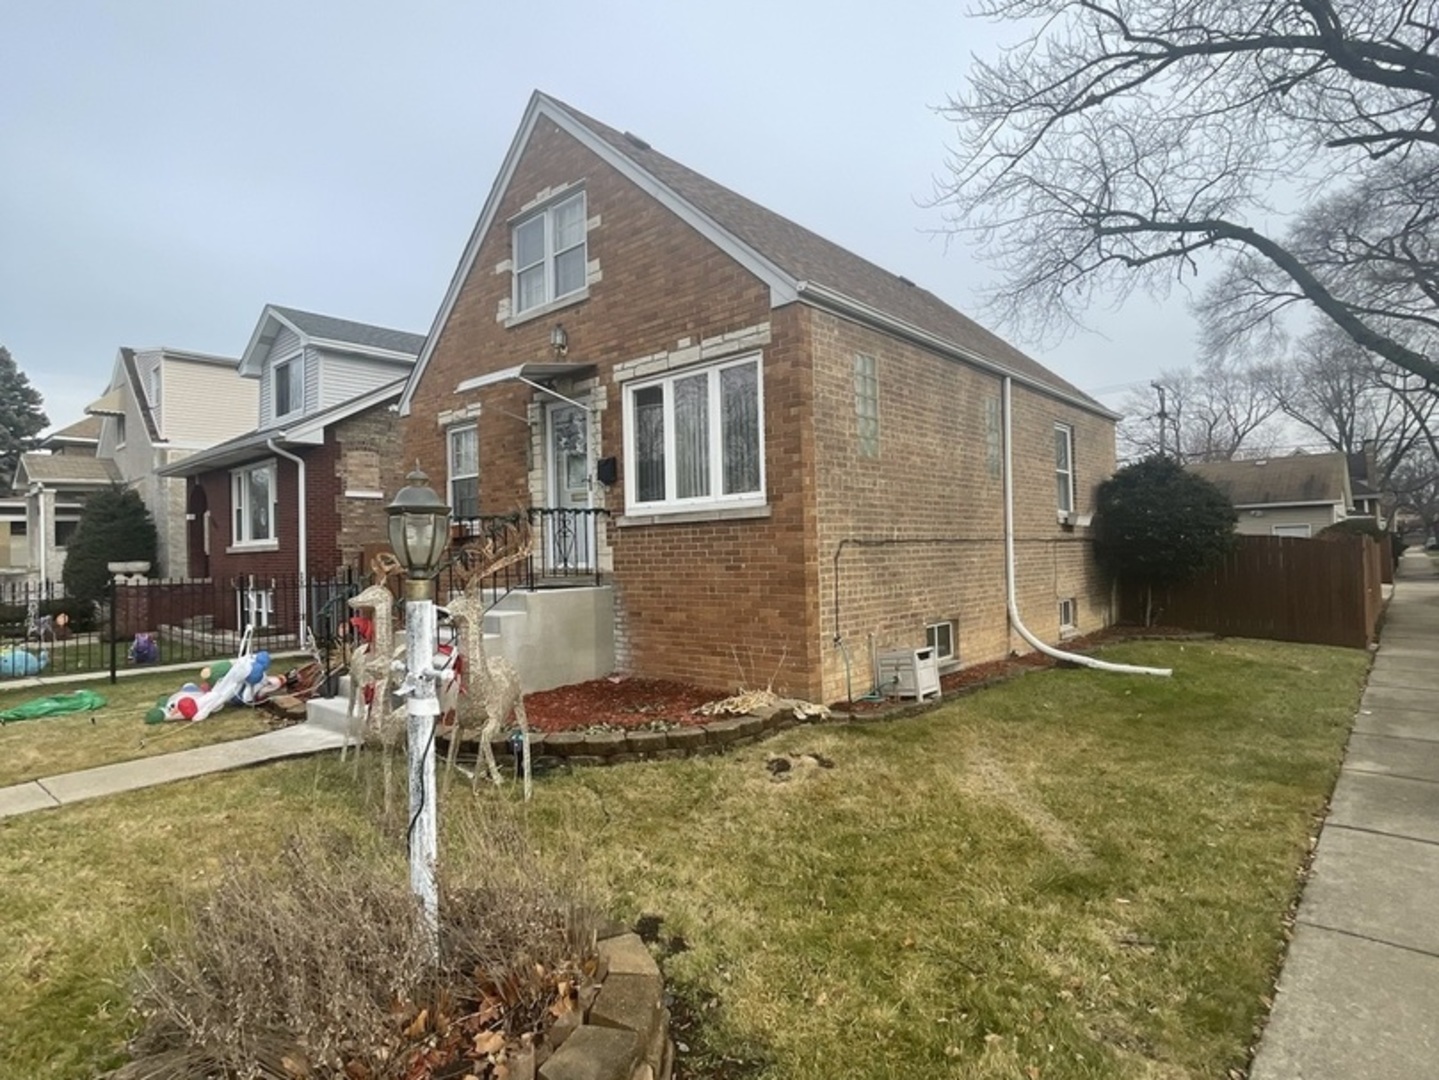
column 909, row 673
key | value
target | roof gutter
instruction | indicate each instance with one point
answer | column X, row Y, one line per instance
column 304, row 531
column 824, row 297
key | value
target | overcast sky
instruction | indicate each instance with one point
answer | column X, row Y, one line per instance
column 167, row 168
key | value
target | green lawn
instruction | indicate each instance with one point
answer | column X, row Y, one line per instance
column 30, row 749
column 1070, row 875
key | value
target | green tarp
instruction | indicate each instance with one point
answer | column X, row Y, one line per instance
column 55, row 705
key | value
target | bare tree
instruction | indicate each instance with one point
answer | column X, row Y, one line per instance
column 1123, row 142
column 1217, row 411
column 1354, row 401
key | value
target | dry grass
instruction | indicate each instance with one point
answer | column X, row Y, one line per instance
column 1072, row 875
column 48, row 746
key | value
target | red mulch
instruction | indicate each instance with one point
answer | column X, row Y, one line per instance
column 617, row 701
column 621, row 701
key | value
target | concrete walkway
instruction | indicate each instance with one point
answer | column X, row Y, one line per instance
column 301, row 739
column 1359, row 993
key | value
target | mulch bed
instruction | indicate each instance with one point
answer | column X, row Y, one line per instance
column 619, row 702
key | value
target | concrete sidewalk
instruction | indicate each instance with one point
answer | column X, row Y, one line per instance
column 301, row 739
column 1359, row 992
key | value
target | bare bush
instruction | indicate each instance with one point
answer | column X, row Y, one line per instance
column 317, row 966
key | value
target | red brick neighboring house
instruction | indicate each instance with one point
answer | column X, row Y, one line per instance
column 301, row 496
column 800, row 456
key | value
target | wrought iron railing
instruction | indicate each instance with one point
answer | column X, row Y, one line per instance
column 564, row 548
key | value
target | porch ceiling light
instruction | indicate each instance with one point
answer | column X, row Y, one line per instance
column 419, row 527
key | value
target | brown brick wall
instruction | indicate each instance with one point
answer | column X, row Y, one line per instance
column 922, row 524
column 719, row 602
column 368, row 450
column 749, row 601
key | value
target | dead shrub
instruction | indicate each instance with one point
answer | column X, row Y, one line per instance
column 316, row 967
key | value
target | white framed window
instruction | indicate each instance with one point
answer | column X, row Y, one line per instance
column 694, row 439
column 1302, row 531
column 549, row 254
column 464, row 466
column 254, row 606
column 1068, row 615
column 289, row 378
column 1064, row 467
column 866, row 405
column 940, row 637
column 252, row 502
column 154, row 387
column 120, row 430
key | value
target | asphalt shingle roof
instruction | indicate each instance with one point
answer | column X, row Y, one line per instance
column 1302, row 478
column 329, row 328
column 70, row 469
column 809, row 257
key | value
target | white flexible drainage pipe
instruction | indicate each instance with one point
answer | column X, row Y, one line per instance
column 1009, row 587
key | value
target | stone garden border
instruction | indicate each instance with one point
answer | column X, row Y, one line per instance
column 622, row 1031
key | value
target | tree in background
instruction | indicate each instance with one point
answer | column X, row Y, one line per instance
column 1158, row 524
column 115, row 526
column 21, row 417
column 1122, row 142
column 1218, row 411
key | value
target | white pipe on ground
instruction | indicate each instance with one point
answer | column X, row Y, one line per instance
column 1010, row 592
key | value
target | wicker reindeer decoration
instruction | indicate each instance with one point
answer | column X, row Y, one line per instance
column 491, row 684
column 372, row 671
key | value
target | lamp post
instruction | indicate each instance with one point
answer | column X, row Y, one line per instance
column 419, row 530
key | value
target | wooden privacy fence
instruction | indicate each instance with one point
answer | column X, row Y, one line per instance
column 1324, row 592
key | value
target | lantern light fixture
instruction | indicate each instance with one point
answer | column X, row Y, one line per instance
column 419, row 527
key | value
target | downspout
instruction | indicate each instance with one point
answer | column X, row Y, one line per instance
column 304, row 531
column 1010, row 593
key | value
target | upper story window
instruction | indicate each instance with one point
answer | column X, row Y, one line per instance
column 695, row 439
column 252, row 501
column 866, row 405
column 289, row 386
column 1064, row 467
column 464, row 465
column 549, row 255
column 154, row 388
column 120, row 429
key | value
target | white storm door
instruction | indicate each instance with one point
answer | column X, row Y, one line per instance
column 569, row 529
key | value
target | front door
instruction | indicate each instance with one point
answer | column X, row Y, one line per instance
column 569, row 528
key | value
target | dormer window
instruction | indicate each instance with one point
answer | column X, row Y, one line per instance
column 289, row 386
column 549, row 254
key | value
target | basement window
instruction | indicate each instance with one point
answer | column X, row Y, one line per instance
column 940, row 637
column 1068, row 616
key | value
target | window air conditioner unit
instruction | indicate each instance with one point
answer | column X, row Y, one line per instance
column 912, row 673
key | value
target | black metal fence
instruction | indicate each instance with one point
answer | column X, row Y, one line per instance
column 152, row 622
column 564, row 546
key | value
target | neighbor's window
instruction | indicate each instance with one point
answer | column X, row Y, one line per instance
column 696, row 438
column 120, row 430
column 549, row 254
column 289, row 386
column 154, row 391
column 252, row 497
column 65, row 532
column 255, row 607
column 866, row 405
column 940, row 637
column 1064, row 467
column 464, row 472
column 1068, row 615
column 1290, row 530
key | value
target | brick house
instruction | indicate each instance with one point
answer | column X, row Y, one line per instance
column 300, row 495
column 781, row 458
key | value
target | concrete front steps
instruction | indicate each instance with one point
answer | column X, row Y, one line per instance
column 553, row 637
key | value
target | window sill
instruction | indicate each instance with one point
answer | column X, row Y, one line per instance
column 258, row 545
column 1067, row 632
column 693, row 517
column 547, row 309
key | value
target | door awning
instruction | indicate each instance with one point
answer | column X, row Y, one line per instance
column 526, row 373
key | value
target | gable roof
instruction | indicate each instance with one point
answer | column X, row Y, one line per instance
column 326, row 331
column 1285, row 481
column 306, row 431
column 74, row 470
column 794, row 262
column 81, row 433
